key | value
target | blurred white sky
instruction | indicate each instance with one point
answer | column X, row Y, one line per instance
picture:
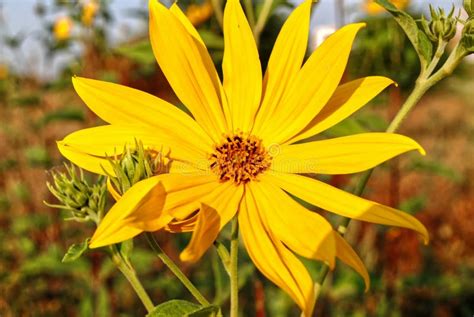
column 18, row 16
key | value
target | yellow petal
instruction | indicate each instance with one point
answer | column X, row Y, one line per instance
column 347, row 99
column 217, row 209
column 92, row 163
column 241, row 68
column 121, row 105
column 272, row 257
column 175, row 9
column 181, row 195
column 293, row 224
column 207, row 62
column 347, row 205
column 87, row 148
column 347, row 255
column 188, row 68
column 186, row 225
column 285, row 61
column 313, row 86
column 147, row 201
column 113, row 229
column 344, row 155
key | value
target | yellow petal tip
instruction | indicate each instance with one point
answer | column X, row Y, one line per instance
column 421, row 150
column 94, row 244
column 186, row 256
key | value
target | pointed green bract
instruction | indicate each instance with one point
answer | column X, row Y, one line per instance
column 420, row 41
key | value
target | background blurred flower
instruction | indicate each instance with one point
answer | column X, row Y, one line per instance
column 199, row 14
column 62, row 28
column 89, row 11
column 373, row 8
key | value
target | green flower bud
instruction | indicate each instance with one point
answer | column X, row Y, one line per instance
column 469, row 7
column 467, row 39
column 134, row 165
column 83, row 200
column 441, row 27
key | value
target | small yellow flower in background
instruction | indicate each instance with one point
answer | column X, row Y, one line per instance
column 373, row 8
column 3, row 71
column 62, row 28
column 89, row 10
column 238, row 153
column 198, row 14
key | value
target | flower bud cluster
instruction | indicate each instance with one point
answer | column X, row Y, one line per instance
column 85, row 201
column 441, row 27
column 135, row 164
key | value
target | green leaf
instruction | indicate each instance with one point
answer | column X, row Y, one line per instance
column 182, row 308
column 209, row 311
column 75, row 251
column 420, row 41
column 174, row 308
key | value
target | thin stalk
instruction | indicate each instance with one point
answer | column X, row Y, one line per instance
column 233, row 269
column 262, row 20
column 175, row 269
column 438, row 54
column 217, row 7
column 132, row 278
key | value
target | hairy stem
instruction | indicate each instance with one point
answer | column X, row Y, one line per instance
column 175, row 269
column 132, row 278
column 233, row 269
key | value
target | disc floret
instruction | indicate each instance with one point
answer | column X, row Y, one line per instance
column 240, row 159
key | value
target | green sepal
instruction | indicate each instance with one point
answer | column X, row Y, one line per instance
column 419, row 40
column 182, row 308
column 126, row 248
column 469, row 7
column 75, row 251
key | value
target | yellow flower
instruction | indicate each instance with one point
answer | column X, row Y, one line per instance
column 89, row 11
column 62, row 28
column 238, row 154
column 373, row 8
column 198, row 14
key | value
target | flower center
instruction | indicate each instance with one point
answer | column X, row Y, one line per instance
column 240, row 159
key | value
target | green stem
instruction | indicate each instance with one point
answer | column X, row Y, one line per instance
column 412, row 100
column 424, row 82
column 438, row 54
column 217, row 7
column 132, row 278
column 233, row 269
column 262, row 20
column 175, row 269
column 250, row 13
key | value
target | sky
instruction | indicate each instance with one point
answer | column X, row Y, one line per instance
column 17, row 16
